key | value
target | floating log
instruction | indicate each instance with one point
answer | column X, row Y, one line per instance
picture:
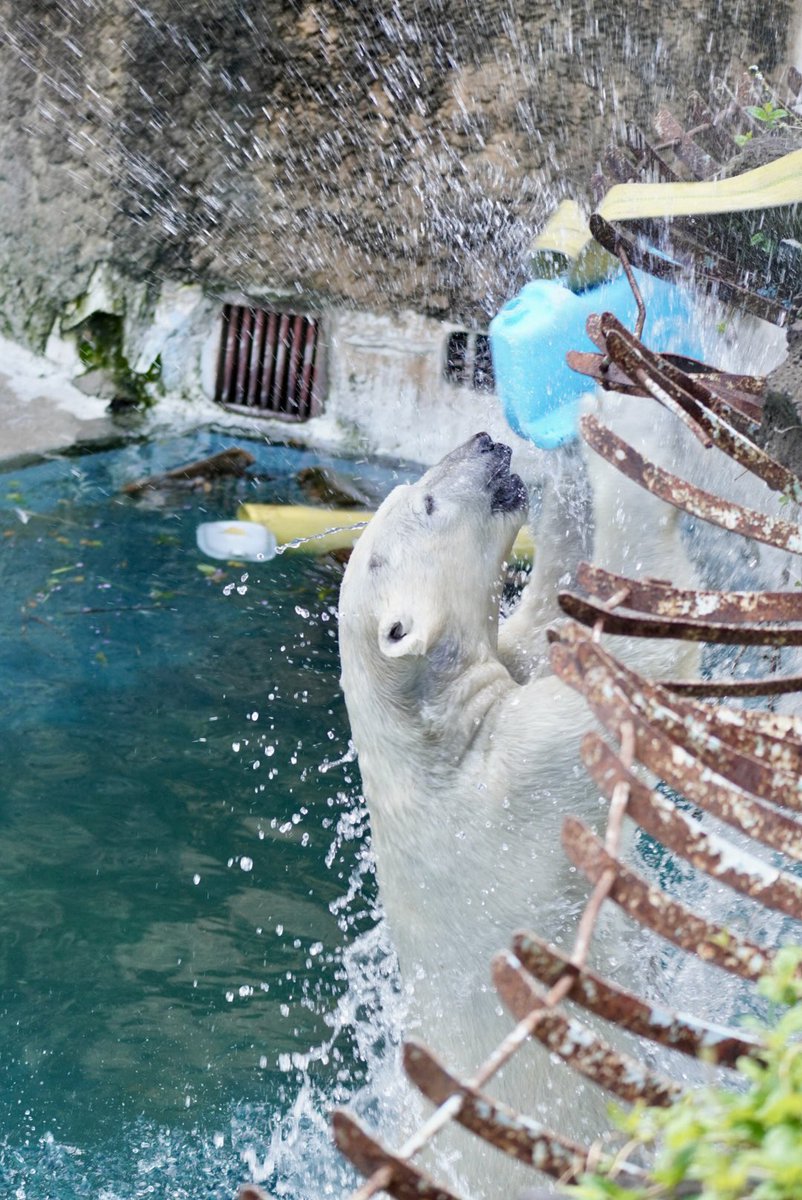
column 227, row 462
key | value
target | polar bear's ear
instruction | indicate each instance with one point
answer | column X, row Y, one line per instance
column 400, row 636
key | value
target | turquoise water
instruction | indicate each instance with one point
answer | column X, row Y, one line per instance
column 183, row 842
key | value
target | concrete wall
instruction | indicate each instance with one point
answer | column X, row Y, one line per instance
column 388, row 156
column 382, row 164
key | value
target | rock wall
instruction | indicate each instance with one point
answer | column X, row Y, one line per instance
column 383, row 156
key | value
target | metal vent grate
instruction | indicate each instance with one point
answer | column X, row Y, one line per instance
column 268, row 362
column 468, row 361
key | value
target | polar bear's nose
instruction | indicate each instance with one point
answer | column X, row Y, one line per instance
column 484, row 443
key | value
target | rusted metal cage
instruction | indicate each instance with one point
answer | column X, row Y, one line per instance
column 741, row 766
column 269, row 363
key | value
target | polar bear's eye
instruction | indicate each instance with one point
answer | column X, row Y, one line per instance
column 428, row 503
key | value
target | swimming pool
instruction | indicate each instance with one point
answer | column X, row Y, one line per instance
column 183, row 860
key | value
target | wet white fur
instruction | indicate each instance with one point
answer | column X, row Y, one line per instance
column 467, row 746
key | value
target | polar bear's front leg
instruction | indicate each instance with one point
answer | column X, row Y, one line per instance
column 562, row 534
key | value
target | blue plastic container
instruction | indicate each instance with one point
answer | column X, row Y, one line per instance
column 533, row 332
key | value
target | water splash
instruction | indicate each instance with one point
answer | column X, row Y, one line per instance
column 316, row 537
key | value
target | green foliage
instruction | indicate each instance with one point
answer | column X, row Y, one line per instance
column 100, row 345
column 762, row 241
column 768, row 114
column 731, row 1145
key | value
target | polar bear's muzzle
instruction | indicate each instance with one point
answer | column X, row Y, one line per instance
column 507, row 491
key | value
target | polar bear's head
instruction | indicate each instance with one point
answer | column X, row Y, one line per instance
column 423, row 580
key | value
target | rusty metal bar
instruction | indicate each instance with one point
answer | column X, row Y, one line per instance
column 700, row 784
column 296, row 350
column 400, row 1178
column 278, row 393
column 683, row 835
column 224, row 354
column 668, row 385
column 634, row 624
column 649, row 906
column 243, row 356
column 307, row 371
column 232, row 352
column 521, row 1137
column 256, row 358
column 625, row 356
column 678, row 1031
column 640, row 320
column 269, row 365
column 582, row 1049
column 604, row 372
column 685, row 496
column 772, row 685
column 612, row 238
column 770, row 771
column 661, row 598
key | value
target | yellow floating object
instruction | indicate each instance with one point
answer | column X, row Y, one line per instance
column 330, row 528
column 565, row 232
column 775, row 184
column 291, row 522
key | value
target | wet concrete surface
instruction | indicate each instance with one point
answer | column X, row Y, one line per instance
column 41, row 410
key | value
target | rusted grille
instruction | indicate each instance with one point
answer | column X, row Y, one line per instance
column 269, row 362
column 468, row 361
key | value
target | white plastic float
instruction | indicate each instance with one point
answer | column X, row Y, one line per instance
column 244, row 540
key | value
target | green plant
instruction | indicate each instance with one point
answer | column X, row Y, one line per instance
column 729, row 1145
column 769, row 114
column 762, row 241
column 100, row 346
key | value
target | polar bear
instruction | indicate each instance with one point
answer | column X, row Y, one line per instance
column 468, row 754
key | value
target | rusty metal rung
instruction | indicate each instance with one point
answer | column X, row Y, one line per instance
column 684, row 495
column 683, row 835
column 403, row 1179
column 659, row 598
column 576, row 1044
column 677, row 1031
column 519, row 1136
column 700, row 783
column 649, row 906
